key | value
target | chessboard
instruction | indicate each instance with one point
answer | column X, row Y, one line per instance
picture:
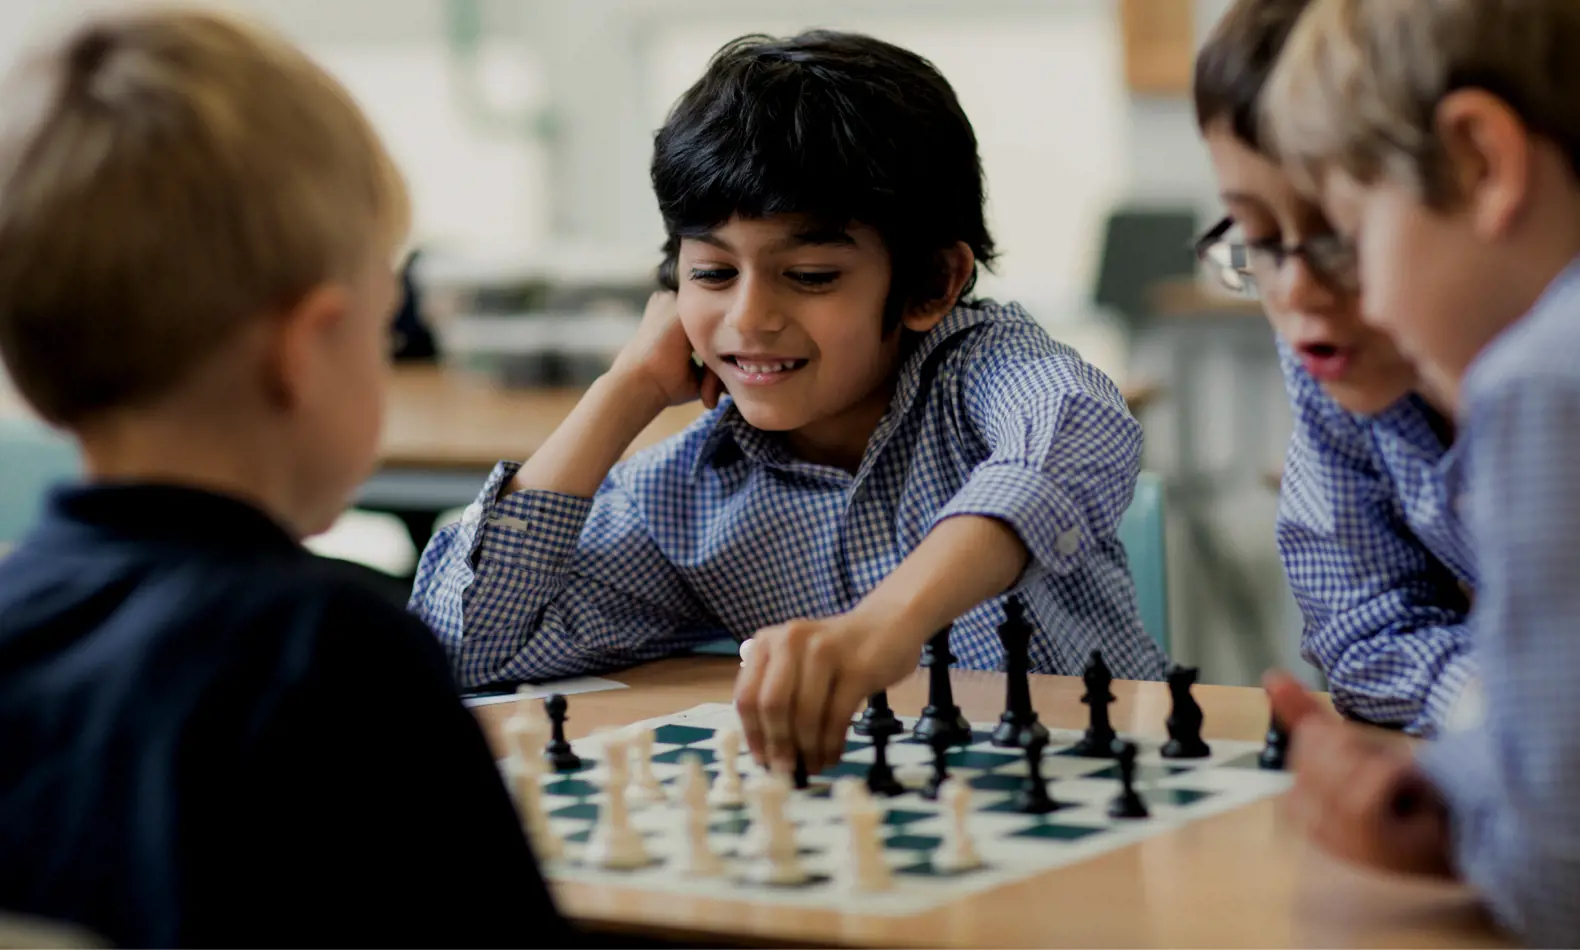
column 1013, row 845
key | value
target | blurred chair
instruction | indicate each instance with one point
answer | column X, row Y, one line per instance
column 33, row 459
column 1141, row 532
column 1141, row 248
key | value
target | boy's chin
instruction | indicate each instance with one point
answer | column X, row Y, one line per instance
column 770, row 418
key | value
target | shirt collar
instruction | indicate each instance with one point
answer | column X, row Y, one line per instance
column 163, row 514
column 731, row 438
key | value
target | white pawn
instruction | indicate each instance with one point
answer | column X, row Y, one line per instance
column 727, row 787
column 957, row 852
column 525, row 776
column 768, row 794
column 699, row 859
column 864, row 867
column 517, row 730
column 645, row 786
column 614, row 842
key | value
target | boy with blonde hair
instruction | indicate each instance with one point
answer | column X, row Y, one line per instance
column 197, row 236
column 1443, row 137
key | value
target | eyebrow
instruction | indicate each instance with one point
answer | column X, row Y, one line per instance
column 816, row 237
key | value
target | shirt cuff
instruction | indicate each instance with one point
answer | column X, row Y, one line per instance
column 525, row 530
column 1031, row 502
column 1453, row 703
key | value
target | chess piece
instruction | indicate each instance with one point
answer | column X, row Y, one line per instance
column 699, row 858
column 878, row 715
column 525, row 771
column 1185, row 717
column 559, row 751
column 614, row 843
column 1128, row 803
column 645, row 788
column 1034, row 798
column 799, row 777
column 881, row 779
column 726, row 789
column 1277, row 747
column 1098, row 742
column 1018, row 725
column 940, row 746
column 941, row 717
column 957, row 852
column 847, row 791
column 781, row 862
column 863, row 867
column 517, row 730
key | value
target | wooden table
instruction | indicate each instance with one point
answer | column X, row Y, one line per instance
column 1239, row 879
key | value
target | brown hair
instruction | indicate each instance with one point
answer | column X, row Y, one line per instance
column 166, row 176
column 1235, row 62
column 1359, row 83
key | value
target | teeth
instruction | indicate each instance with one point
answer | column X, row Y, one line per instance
column 764, row 368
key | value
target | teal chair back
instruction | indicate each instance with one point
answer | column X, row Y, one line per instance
column 33, row 459
column 1141, row 532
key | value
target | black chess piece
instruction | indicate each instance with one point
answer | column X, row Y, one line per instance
column 1128, row 803
column 880, row 776
column 1277, row 747
column 799, row 777
column 941, row 744
column 1185, row 718
column 878, row 715
column 1018, row 725
column 1098, row 742
column 558, row 752
column 941, row 717
column 1034, row 798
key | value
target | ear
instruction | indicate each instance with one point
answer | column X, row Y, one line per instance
column 956, row 263
column 302, row 350
column 1489, row 158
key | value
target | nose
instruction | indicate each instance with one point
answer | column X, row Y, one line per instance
column 753, row 309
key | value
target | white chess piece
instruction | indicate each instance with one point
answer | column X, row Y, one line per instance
column 614, row 842
column 781, row 862
column 849, row 792
column 517, row 730
column 746, row 650
column 645, row 786
column 864, row 868
column 957, row 852
column 526, row 777
column 699, row 858
column 727, row 787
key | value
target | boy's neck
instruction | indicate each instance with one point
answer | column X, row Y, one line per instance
column 840, row 441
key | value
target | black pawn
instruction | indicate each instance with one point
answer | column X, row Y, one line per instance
column 1277, row 747
column 940, row 746
column 941, row 717
column 1019, row 722
column 1128, row 803
column 558, row 752
column 879, row 716
column 1033, row 798
column 880, row 776
column 1098, row 742
column 799, row 777
column 1185, row 718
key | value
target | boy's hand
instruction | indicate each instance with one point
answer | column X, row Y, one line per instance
column 659, row 357
column 801, row 683
column 1358, row 795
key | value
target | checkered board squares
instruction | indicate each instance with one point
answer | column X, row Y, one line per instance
column 1014, row 845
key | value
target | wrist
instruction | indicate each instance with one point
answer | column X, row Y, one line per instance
column 895, row 619
column 633, row 391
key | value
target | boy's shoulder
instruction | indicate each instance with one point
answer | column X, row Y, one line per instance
column 987, row 342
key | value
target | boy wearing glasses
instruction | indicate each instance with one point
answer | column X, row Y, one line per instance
column 1368, row 530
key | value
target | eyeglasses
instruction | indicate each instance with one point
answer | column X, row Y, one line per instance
column 1243, row 266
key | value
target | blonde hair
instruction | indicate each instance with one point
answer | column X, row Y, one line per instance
column 165, row 177
column 1359, row 82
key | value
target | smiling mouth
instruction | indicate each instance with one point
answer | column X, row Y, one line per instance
column 764, row 367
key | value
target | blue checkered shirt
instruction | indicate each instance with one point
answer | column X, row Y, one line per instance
column 1377, row 555
column 720, row 530
column 1513, row 781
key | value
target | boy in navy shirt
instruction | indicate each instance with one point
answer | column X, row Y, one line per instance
column 1443, row 137
column 211, row 737
column 886, row 455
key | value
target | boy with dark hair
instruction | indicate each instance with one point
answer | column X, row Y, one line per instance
column 196, row 280
column 1369, row 527
column 891, row 457
column 1443, row 137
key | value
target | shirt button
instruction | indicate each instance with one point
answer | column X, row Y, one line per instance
column 1069, row 542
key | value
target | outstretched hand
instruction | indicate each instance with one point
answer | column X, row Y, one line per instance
column 1358, row 794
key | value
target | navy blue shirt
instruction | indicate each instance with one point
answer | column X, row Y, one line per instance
column 208, row 736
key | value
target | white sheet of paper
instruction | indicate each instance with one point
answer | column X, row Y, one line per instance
column 570, row 687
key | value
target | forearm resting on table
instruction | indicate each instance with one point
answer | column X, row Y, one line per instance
column 963, row 561
column 578, row 456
